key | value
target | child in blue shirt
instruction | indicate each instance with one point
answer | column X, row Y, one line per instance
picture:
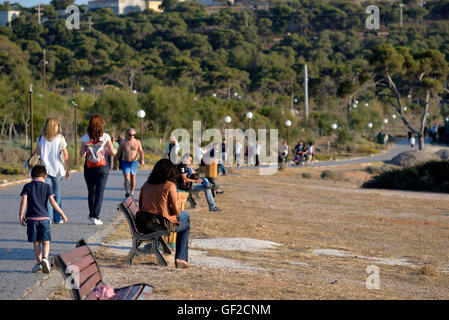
column 34, row 198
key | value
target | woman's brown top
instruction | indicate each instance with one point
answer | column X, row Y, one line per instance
column 161, row 199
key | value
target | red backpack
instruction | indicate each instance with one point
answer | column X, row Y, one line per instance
column 95, row 156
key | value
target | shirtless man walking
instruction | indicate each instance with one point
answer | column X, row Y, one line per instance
column 129, row 150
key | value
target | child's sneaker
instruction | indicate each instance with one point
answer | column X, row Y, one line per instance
column 45, row 265
column 37, row 267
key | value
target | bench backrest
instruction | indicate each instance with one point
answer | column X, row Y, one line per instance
column 130, row 209
column 80, row 270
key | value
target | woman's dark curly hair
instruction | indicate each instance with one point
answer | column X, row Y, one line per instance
column 164, row 170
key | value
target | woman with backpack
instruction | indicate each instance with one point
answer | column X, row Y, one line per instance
column 52, row 149
column 95, row 146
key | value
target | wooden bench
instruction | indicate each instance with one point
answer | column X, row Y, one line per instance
column 129, row 209
column 80, row 265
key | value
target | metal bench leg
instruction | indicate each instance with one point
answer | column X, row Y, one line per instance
column 160, row 259
column 164, row 246
column 134, row 250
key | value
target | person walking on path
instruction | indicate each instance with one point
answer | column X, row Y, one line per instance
column 238, row 151
column 129, row 150
column 412, row 142
column 112, row 162
column 284, row 151
column 52, row 149
column 35, row 195
column 159, row 209
column 95, row 146
column 173, row 143
column 257, row 151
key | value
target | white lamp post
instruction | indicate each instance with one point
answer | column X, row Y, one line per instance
column 141, row 115
column 334, row 126
column 394, row 124
column 370, row 125
column 228, row 120
column 249, row 116
column 288, row 123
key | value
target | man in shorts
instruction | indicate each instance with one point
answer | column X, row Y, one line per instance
column 129, row 150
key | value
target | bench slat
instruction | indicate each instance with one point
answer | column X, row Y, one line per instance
column 146, row 293
column 84, row 262
column 133, row 294
column 89, row 285
column 87, row 273
column 122, row 293
column 92, row 296
column 68, row 257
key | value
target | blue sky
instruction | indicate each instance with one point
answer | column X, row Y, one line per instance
column 32, row 3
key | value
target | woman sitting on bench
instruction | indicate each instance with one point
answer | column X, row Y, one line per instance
column 159, row 209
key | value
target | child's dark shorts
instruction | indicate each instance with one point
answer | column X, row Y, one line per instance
column 38, row 230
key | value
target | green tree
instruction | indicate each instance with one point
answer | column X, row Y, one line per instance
column 403, row 73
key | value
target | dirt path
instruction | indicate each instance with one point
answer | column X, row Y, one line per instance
column 286, row 237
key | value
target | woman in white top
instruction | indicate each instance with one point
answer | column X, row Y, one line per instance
column 95, row 146
column 52, row 149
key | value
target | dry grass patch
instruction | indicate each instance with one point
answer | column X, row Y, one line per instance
column 400, row 232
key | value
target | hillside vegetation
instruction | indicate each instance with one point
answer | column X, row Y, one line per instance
column 185, row 64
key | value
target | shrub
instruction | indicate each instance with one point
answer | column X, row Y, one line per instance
column 7, row 170
column 306, row 175
column 331, row 175
column 428, row 176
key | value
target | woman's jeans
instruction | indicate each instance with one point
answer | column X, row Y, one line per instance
column 55, row 184
column 96, row 179
column 182, row 239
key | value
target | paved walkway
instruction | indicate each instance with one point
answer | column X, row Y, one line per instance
column 16, row 253
column 400, row 146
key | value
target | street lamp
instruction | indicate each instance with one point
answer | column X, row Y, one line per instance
column 288, row 123
column 394, row 124
column 370, row 125
column 141, row 115
column 249, row 116
column 334, row 126
column 31, row 117
column 76, row 153
column 228, row 120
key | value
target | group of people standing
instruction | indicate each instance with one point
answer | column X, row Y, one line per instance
column 42, row 196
